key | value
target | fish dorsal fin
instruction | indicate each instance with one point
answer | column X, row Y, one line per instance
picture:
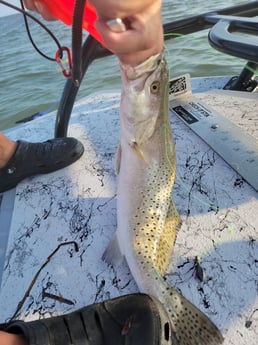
column 167, row 239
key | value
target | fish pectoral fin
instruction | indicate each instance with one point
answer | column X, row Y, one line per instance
column 118, row 159
column 140, row 154
column 112, row 254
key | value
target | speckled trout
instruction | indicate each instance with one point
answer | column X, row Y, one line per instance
column 147, row 220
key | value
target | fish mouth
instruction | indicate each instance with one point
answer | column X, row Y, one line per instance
column 138, row 71
column 143, row 98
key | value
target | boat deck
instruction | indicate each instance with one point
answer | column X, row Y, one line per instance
column 59, row 224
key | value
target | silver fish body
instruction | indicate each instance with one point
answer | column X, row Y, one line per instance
column 147, row 220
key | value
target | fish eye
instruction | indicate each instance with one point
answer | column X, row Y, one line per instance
column 155, row 86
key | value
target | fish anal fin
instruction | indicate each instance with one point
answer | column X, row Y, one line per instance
column 112, row 254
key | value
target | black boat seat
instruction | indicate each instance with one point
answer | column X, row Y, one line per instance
column 236, row 36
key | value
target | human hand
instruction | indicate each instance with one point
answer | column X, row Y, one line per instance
column 143, row 37
column 11, row 339
column 144, row 34
column 38, row 6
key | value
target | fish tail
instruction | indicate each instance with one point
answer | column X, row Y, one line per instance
column 191, row 326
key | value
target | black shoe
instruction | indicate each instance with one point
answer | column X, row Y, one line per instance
column 39, row 158
column 132, row 320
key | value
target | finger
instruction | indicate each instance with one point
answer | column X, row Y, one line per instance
column 29, row 4
column 121, row 42
column 39, row 7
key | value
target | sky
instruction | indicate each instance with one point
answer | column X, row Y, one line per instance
column 5, row 11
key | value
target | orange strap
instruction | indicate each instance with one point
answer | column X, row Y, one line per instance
column 63, row 10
